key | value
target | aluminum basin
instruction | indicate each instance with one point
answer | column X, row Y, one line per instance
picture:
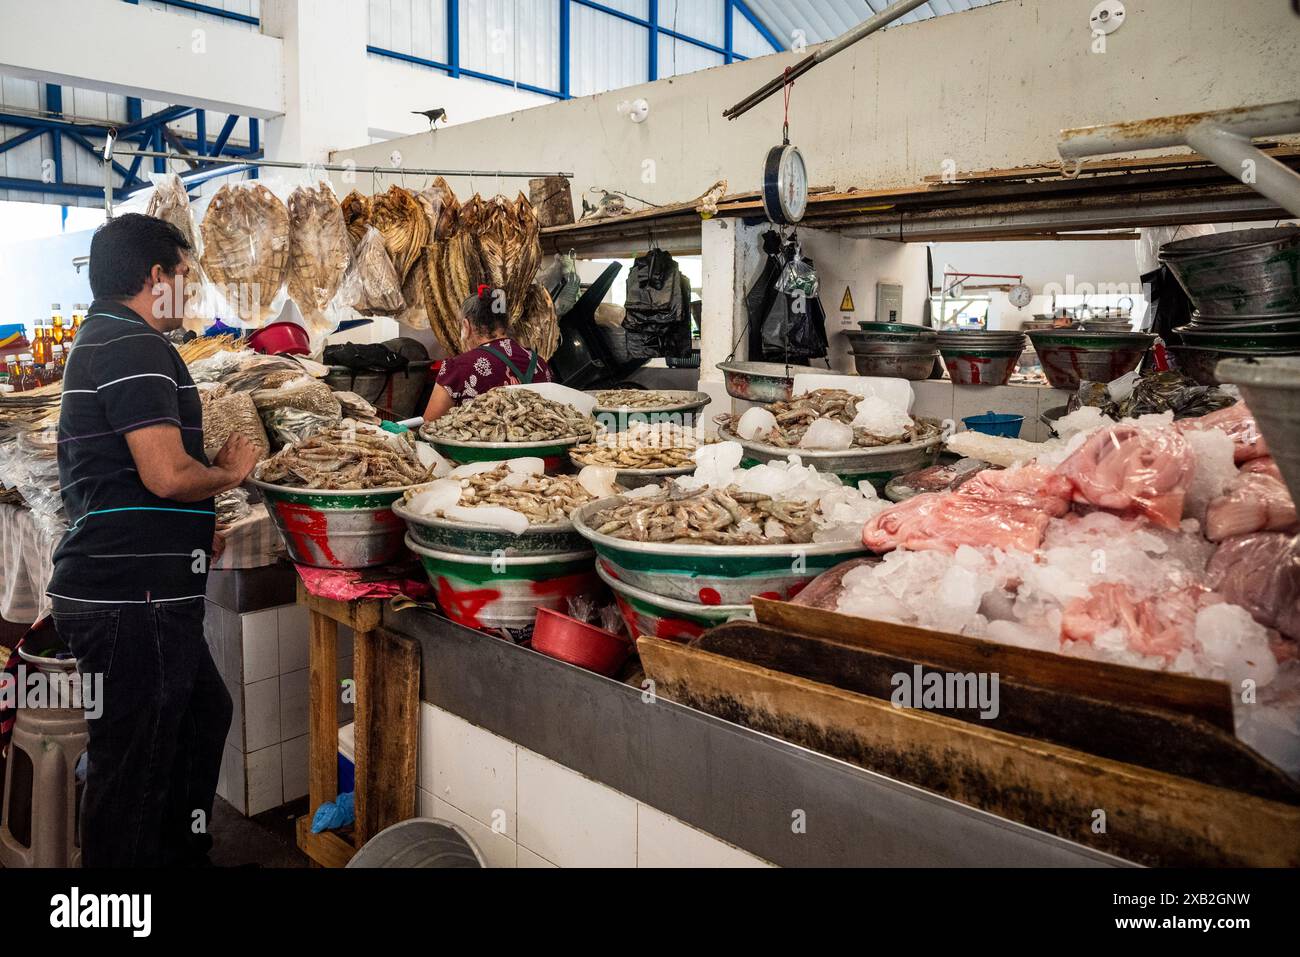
column 765, row 382
column 712, row 575
column 344, row 530
column 876, row 466
column 649, row 615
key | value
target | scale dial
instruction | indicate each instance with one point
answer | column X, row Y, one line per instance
column 1020, row 296
column 785, row 185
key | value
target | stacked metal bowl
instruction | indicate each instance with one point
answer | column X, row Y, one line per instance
column 894, row 349
column 981, row 357
column 1245, row 286
column 1073, row 356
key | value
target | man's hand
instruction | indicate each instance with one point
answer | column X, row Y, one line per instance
column 218, row 547
column 238, row 457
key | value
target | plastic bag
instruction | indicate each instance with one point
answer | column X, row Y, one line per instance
column 381, row 290
column 305, row 393
column 798, row 278
column 1261, row 573
column 288, row 425
column 1126, row 468
column 319, row 250
column 224, row 416
column 1254, row 502
column 246, row 250
column 1239, row 422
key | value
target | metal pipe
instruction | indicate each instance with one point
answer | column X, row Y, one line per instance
column 338, row 168
column 1222, row 136
column 838, row 45
column 1239, row 157
column 109, row 140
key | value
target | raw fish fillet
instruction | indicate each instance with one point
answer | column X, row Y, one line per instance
column 1254, row 502
column 1130, row 469
column 1262, row 574
column 1160, row 626
column 1264, row 466
column 1239, row 422
column 1008, row 510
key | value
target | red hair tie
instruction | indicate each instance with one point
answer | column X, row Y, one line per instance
column 483, row 288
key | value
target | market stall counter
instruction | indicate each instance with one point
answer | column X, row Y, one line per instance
column 621, row 747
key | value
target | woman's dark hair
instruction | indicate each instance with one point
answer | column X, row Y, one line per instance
column 486, row 310
column 126, row 248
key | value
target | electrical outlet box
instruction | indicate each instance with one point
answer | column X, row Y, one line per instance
column 889, row 302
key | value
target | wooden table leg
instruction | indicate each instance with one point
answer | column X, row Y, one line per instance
column 387, row 670
column 323, row 725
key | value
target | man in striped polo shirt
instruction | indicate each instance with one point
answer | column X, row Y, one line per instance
column 131, row 572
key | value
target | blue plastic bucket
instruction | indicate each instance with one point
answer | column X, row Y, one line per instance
column 992, row 423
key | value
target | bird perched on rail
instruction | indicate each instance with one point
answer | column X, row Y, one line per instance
column 433, row 116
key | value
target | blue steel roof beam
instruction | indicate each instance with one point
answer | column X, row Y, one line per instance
column 764, row 31
column 226, row 129
column 21, row 138
column 78, row 190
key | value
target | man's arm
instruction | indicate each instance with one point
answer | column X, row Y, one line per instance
column 168, row 471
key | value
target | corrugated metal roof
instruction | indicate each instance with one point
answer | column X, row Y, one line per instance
column 822, row 20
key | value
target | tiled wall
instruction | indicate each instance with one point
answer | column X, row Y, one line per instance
column 262, row 656
column 524, row 810
column 943, row 400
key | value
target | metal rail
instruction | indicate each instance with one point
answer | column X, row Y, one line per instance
column 838, row 45
column 337, row 167
column 1222, row 136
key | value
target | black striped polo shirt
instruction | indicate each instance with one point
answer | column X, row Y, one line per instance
column 124, row 544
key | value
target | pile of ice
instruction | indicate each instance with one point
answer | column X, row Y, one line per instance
column 841, row 511
column 1100, row 587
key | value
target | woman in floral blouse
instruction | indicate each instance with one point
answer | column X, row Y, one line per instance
column 491, row 359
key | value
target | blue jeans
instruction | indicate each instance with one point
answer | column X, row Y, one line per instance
column 155, row 750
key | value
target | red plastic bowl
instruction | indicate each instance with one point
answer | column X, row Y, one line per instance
column 567, row 639
column 281, row 339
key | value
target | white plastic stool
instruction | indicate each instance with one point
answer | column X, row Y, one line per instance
column 49, row 741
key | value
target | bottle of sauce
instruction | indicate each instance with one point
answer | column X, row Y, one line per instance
column 56, row 329
column 38, row 343
column 27, row 378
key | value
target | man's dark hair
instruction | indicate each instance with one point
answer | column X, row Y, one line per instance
column 486, row 311
column 126, row 248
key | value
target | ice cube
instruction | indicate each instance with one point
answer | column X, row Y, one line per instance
column 474, row 468
column 1235, row 644
column 827, row 435
column 881, row 418
column 755, row 423
column 431, row 460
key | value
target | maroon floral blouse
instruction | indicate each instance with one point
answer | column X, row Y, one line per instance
column 471, row 374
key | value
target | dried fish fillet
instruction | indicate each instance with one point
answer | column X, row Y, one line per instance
column 319, row 249
column 246, row 248
column 402, row 222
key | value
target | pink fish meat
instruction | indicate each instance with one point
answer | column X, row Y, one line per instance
column 1125, row 468
column 1254, row 502
column 1261, row 573
column 1239, row 422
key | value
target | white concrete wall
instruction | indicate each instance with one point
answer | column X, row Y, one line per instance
column 136, row 51
column 992, row 87
column 395, row 88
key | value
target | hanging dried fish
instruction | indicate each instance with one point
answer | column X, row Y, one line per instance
column 538, row 329
column 246, row 248
column 400, row 219
column 319, row 249
column 356, row 212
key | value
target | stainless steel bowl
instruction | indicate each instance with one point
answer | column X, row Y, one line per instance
column 684, row 410
column 876, row 466
column 444, row 535
column 710, row 575
column 915, row 367
column 765, row 382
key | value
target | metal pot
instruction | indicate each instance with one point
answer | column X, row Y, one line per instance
column 344, row 530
